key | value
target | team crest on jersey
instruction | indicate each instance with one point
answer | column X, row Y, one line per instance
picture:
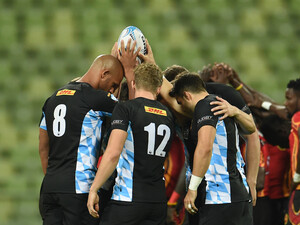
column 65, row 92
column 155, row 111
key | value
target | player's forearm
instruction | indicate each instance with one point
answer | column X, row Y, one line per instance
column 164, row 92
column 252, row 157
column 245, row 121
column 129, row 74
column 110, row 158
column 106, row 168
column 44, row 160
column 201, row 162
column 44, row 148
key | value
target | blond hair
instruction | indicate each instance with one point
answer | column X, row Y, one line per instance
column 148, row 77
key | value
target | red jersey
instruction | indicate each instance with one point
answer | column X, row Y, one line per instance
column 173, row 165
column 294, row 143
column 277, row 171
column 262, row 160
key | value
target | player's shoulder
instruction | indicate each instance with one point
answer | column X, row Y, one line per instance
column 205, row 102
column 296, row 118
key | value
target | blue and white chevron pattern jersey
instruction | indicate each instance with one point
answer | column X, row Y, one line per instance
column 86, row 166
column 124, row 180
column 217, row 177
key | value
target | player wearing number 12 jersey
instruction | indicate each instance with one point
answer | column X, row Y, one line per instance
column 142, row 132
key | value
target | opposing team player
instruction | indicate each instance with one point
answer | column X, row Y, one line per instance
column 70, row 134
column 142, row 132
column 292, row 103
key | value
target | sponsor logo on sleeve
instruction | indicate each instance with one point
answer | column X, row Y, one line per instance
column 204, row 118
column 65, row 92
column 155, row 111
column 116, row 122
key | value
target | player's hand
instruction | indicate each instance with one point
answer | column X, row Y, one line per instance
column 219, row 73
column 114, row 50
column 128, row 58
column 93, row 204
column 223, row 107
column 189, row 202
column 148, row 58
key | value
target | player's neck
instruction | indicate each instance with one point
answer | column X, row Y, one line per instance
column 199, row 96
column 144, row 94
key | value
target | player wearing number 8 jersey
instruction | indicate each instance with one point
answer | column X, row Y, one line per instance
column 70, row 133
column 142, row 132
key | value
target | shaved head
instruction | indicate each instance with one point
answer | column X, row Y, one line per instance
column 105, row 73
column 108, row 62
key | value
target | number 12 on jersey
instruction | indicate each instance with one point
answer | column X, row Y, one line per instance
column 162, row 130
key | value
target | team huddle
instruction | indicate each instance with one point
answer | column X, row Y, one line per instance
column 104, row 142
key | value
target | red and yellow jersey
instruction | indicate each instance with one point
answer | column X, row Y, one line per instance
column 277, row 170
column 294, row 143
column 173, row 165
column 262, row 160
column 275, row 160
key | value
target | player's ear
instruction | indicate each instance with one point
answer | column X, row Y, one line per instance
column 104, row 74
column 132, row 83
column 187, row 95
column 158, row 91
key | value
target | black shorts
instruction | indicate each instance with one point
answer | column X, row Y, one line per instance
column 237, row 213
column 66, row 209
column 136, row 213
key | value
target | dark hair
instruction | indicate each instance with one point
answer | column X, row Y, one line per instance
column 276, row 130
column 295, row 85
column 206, row 73
column 187, row 82
column 124, row 92
column 172, row 71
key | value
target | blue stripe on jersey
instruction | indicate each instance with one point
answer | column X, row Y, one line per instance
column 124, row 180
column 89, row 144
column 43, row 122
column 217, row 177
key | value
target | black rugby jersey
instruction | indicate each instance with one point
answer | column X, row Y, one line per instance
column 226, row 181
column 150, row 129
column 73, row 118
column 224, row 91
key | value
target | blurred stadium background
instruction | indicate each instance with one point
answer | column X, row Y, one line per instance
column 45, row 43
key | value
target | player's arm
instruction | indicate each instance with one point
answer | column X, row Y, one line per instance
column 128, row 60
column 296, row 176
column 256, row 99
column 244, row 120
column 44, row 148
column 166, row 85
column 252, row 162
column 202, row 157
column 107, row 166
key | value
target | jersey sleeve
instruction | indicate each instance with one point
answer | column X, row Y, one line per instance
column 296, row 121
column 43, row 122
column 100, row 100
column 204, row 116
column 120, row 117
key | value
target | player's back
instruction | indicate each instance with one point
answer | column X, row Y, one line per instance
column 150, row 129
column 73, row 119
